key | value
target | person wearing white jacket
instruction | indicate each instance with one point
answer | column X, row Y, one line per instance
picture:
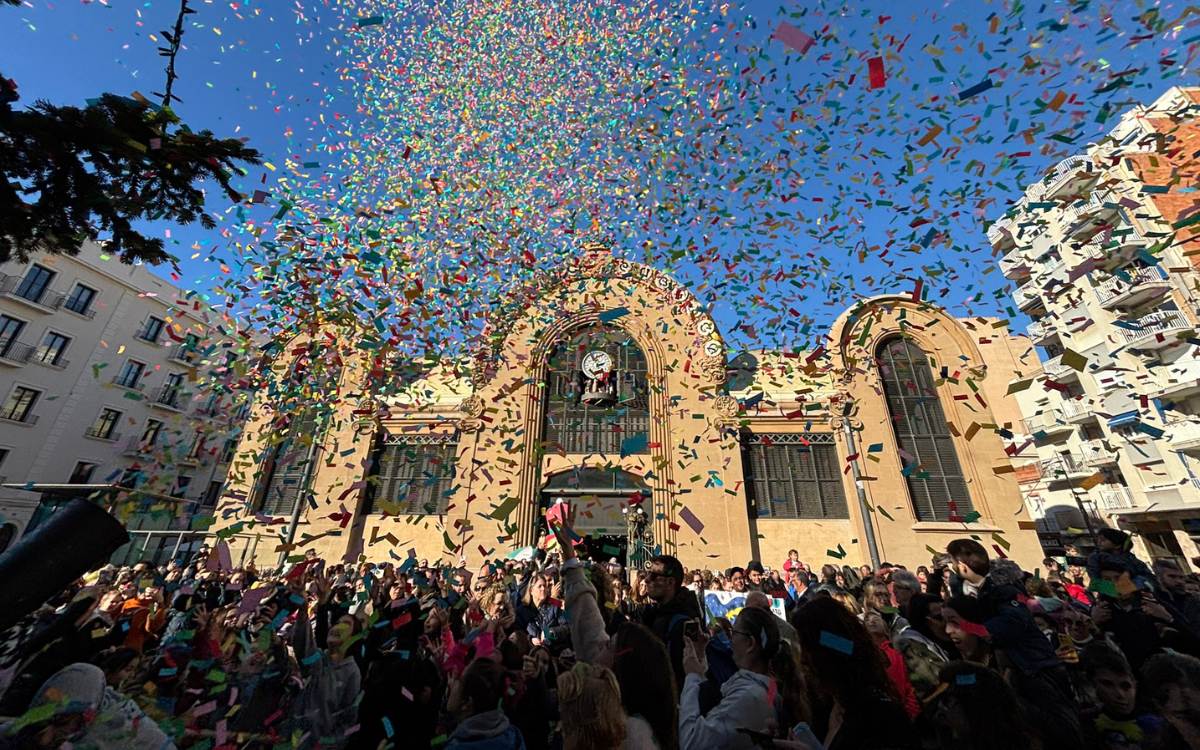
column 764, row 696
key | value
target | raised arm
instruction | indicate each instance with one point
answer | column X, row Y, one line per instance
column 579, row 597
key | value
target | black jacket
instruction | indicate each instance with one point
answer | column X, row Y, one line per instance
column 667, row 620
column 1013, row 629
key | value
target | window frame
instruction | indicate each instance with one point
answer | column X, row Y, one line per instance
column 923, row 421
column 90, row 300
column 817, row 494
column 121, row 380
column 39, row 355
column 433, row 493
column 144, row 330
column 7, row 414
column 112, row 427
column 25, row 280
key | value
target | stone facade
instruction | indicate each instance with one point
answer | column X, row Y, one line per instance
column 701, row 409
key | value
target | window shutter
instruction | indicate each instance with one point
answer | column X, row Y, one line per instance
column 936, row 485
column 789, row 479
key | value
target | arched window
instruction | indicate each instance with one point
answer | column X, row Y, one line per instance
column 597, row 394
column 935, row 477
column 308, row 393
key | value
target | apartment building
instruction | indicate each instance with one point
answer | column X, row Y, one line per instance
column 1101, row 257
column 107, row 378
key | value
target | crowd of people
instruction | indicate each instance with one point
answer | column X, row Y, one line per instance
column 966, row 653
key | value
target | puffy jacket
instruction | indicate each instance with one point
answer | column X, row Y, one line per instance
column 743, row 705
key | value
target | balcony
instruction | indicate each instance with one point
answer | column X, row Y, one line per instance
column 1065, row 468
column 101, row 433
column 1078, row 411
column 1001, row 232
column 1102, row 204
column 138, row 448
column 1185, row 436
column 183, row 355
column 150, row 337
column 1071, row 176
column 1048, row 425
column 1027, row 296
column 1042, row 332
column 167, row 398
column 18, row 418
column 15, row 353
column 1153, row 331
column 1056, row 370
column 1096, row 453
column 1142, row 286
column 1013, row 264
column 34, row 295
column 133, row 384
column 1092, row 250
column 1114, row 497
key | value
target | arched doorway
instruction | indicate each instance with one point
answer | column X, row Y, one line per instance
column 613, row 512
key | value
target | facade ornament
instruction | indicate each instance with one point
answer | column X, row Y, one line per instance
column 472, row 406
column 727, row 409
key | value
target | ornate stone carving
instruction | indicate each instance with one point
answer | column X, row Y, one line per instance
column 714, row 371
column 726, row 406
column 472, row 406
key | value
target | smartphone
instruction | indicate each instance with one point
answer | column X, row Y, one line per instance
column 1066, row 641
column 691, row 630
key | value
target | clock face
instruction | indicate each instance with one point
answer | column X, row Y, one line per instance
column 596, row 363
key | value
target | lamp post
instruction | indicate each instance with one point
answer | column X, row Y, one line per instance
column 846, row 424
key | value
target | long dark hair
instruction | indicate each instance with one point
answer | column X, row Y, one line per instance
column 847, row 667
column 647, row 681
column 783, row 663
column 918, row 618
column 995, row 716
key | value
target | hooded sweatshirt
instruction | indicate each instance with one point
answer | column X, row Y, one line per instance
column 489, row 730
column 743, row 704
column 327, row 706
column 119, row 723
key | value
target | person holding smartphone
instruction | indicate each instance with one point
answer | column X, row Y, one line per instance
column 766, row 692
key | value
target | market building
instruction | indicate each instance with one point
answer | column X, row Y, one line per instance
column 614, row 388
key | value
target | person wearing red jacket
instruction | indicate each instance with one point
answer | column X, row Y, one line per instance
column 896, row 667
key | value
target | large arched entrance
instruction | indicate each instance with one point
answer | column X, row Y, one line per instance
column 613, row 512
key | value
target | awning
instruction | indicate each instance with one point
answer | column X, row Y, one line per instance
column 1128, row 417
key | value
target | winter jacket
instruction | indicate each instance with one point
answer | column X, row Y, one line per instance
column 1139, row 571
column 1013, row 629
column 545, row 621
column 486, row 731
column 743, row 705
column 899, row 674
column 923, row 659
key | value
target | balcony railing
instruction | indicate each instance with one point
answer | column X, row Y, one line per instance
column 1096, row 453
column 1077, row 410
column 1027, row 296
column 147, row 335
column 1143, row 284
column 1069, row 173
column 1184, row 434
column 1146, row 331
column 35, row 294
column 1049, row 421
column 167, row 397
column 15, row 352
column 133, row 383
column 1065, row 466
column 1042, row 330
column 1115, row 497
column 1013, row 263
column 1055, row 368
column 19, row 418
column 1000, row 232
column 1100, row 201
column 88, row 312
column 103, row 433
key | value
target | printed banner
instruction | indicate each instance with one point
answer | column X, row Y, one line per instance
column 729, row 603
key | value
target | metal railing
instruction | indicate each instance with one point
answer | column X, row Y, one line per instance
column 159, row 547
column 1095, row 452
column 1065, row 170
column 1184, row 431
column 12, row 416
column 1063, row 465
column 1055, row 368
column 103, row 434
column 1164, row 322
column 38, row 295
column 147, row 335
column 1074, row 409
column 168, row 397
column 1114, row 287
column 15, row 352
column 88, row 312
column 130, row 383
column 1049, row 420
column 1027, row 295
column 1115, row 498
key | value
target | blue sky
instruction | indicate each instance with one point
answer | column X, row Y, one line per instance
column 880, row 210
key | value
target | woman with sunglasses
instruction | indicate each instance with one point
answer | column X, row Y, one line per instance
column 765, row 695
